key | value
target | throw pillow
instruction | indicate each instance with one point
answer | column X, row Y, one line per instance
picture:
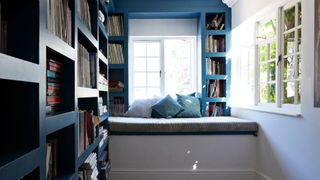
column 166, row 108
column 191, row 106
column 141, row 108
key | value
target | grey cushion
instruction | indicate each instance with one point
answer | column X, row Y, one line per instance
column 191, row 106
column 141, row 108
column 166, row 108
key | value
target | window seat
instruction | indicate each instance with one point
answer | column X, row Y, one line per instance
column 177, row 126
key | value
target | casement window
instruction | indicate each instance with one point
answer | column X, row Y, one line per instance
column 161, row 66
column 278, row 44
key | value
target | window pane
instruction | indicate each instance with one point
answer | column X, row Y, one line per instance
column 263, row 53
column 289, row 19
column 140, row 79
column 140, row 93
column 267, row 29
column 289, row 43
column 263, row 93
column 140, row 49
column 299, row 40
column 273, row 49
column 299, row 13
column 288, row 92
column 153, row 64
column 288, row 68
column 299, row 66
column 140, row 64
column 153, row 49
column 153, row 92
column 153, row 79
column 272, row 93
column 272, row 71
column 298, row 92
column 263, row 73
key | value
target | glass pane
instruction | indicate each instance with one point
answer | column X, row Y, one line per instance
column 299, row 40
column 263, row 53
column 272, row 71
column 140, row 64
column 263, row 73
column 153, row 64
column 299, row 66
column 140, row 93
column 273, row 50
column 272, row 93
column 153, row 92
column 153, row 49
column 153, row 79
column 267, row 29
column 288, row 68
column 263, row 93
column 140, row 79
column 299, row 13
column 139, row 49
column 289, row 19
column 288, row 92
column 299, row 92
column 289, row 43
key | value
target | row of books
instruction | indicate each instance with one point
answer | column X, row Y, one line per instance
column 102, row 108
column 89, row 170
column 214, row 88
column 215, row 43
column 102, row 81
column 115, row 25
column 51, row 159
column 84, row 12
column 115, row 54
column 87, row 124
column 59, row 19
column 216, row 23
column 3, row 31
column 86, row 67
column 214, row 67
column 214, row 109
column 116, row 106
column 54, row 70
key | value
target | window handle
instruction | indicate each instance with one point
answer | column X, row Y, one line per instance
column 279, row 59
column 160, row 73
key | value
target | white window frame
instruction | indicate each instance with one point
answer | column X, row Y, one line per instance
column 160, row 39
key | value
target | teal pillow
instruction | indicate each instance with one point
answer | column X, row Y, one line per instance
column 191, row 106
column 166, row 108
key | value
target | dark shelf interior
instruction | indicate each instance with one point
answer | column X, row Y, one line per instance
column 93, row 8
column 215, row 21
column 64, row 139
column 67, row 80
column 88, row 104
column 103, row 69
column 216, row 109
column 34, row 175
column 116, row 75
column 103, row 43
column 21, row 130
column 20, row 29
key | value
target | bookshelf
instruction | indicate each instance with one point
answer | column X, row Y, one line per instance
column 215, row 36
column 41, row 92
column 118, row 63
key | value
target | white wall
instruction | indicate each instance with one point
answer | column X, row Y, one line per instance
column 163, row 27
column 288, row 147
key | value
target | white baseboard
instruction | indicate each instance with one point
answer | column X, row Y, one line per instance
column 184, row 175
column 261, row 176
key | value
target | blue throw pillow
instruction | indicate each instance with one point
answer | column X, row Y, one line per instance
column 191, row 106
column 166, row 108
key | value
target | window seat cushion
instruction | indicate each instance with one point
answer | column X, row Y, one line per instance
column 204, row 125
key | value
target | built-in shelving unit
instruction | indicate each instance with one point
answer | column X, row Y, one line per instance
column 45, row 88
column 215, row 63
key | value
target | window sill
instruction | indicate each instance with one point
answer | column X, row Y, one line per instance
column 287, row 111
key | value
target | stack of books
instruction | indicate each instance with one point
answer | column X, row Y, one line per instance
column 89, row 169
column 214, row 67
column 87, row 124
column 115, row 25
column 84, row 12
column 115, row 53
column 102, row 108
column 3, row 31
column 86, row 68
column 214, row 109
column 59, row 19
column 116, row 107
column 215, row 43
column 213, row 88
column 54, row 70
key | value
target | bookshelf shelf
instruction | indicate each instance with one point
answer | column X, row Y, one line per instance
column 65, row 177
column 120, row 94
column 116, row 38
column 54, row 123
column 102, row 58
column 83, row 92
column 216, row 54
column 217, row 77
column 60, row 46
column 87, row 152
column 103, row 117
column 24, row 156
column 83, row 32
column 220, row 99
column 117, row 66
column 102, row 148
column 216, row 32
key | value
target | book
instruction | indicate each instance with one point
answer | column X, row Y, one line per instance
column 115, row 53
column 84, row 13
column 86, row 68
column 87, row 124
column 115, row 25
column 54, row 100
